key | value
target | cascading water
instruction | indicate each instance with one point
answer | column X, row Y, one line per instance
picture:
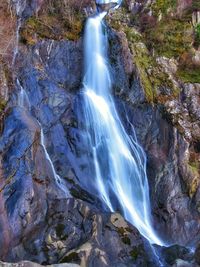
column 57, row 178
column 19, row 6
column 23, row 99
column 116, row 3
column 119, row 161
column 23, row 102
column 16, row 49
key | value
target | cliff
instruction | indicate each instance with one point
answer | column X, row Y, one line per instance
column 154, row 51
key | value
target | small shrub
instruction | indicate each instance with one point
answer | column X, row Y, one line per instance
column 189, row 75
column 197, row 35
column 170, row 37
column 2, row 105
column 163, row 6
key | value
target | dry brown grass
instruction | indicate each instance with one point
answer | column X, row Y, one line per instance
column 68, row 9
column 60, row 19
column 7, row 30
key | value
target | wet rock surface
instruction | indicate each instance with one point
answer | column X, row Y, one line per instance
column 72, row 232
column 40, row 221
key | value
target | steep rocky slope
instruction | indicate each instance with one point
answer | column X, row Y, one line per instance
column 161, row 57
column 156, row 85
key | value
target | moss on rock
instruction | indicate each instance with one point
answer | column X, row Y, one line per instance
column 49, row 27
column 151, row 76
column 197, row 35
column 2, row 105
column 163, row 7
column 194, row 168
column 134, row 253
column 151, row 36
column 189, row 74
column 56, row 21
column 170, row 37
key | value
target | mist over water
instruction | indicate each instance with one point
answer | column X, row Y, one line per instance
column 119, row 160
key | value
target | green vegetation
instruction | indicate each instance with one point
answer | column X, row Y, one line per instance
column 173, row 37
column 189, row 75
column 49, row 27
column 118, row 19
column 162, row 33
column 151, row 77
column 195, row 6
column 144, row 63
column 193, row 187
column 194, row 167
column 132, row 34
column 2, row 105
column 170, row 37
column 134, row 253
column 149, row 38
column 58, row 20
column 163, row 6
column 197, row 35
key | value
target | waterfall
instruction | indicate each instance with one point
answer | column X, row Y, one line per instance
column 117, row 3
column 23, row 100
column 16, row 49
column 119, row 160
column 57, row 178
column 19, row 6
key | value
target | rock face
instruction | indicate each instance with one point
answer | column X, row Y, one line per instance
column 72, row 231
column 49, row 210
column 174, row 182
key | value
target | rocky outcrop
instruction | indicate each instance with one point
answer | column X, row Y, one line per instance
column 169, row 132
column 33, row 226
column 72, row 231
column 48, row 221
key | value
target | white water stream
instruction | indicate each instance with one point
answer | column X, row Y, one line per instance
column 57, row 178
column 119, row 160
column 23, row 101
